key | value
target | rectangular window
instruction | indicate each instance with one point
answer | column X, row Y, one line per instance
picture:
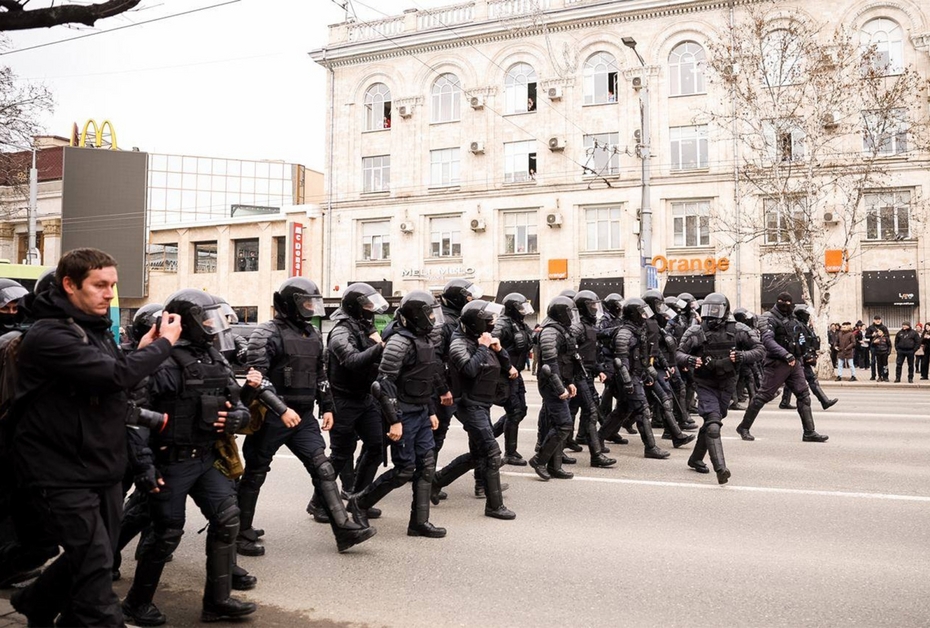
column 692, row 223
column 23, row 246
column 246, row 313
column 602, row 226
column 163, row 257
column 785, row 221
column 784, row 140
column 688, row 147
column 376, row 173
column 888, row 215
column 446, row 236
column 376, row 240
column 444, row 167
column 601, row 154
column 246, row 255
column 520, row 232
column 205, row 257
column 280, row 252
column 519, row 161
column 885, row 133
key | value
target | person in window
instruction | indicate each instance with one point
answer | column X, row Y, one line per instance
column 530, row 104
column 611, row 96
column 387, row 122
column 241, row 262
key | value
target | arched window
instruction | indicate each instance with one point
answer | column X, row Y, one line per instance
column 781, row 58
column 520, row 89
column 377, row 107
column 447, row 98
column 883, row 43
column 600, row 79
column 686, row 69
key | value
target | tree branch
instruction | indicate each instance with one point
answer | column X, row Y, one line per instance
column 15, row 19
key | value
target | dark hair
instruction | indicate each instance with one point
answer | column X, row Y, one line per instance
column 77, row 264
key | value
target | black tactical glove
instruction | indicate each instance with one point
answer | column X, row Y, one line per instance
column 236, row 419
column 147, row 481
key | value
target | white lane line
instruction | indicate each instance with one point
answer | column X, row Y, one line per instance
column 749, row 489
column 636, row 436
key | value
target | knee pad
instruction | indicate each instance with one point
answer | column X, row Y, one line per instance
column 158, row 546
column 493, row 450
column 253, row 481
column 404, row 474
column 323, row 467
column 713, row 428
column 225, row 524
column 494, row 462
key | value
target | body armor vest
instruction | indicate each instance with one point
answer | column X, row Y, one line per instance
column 788, row 334
column 294, row 374
column 415, row 382
column 716, row 347
column 587, row 346
column 206, row 386
column 483, row 388
column 566, row 349
column 346, row 381
column 639, row 356
column 520, row 345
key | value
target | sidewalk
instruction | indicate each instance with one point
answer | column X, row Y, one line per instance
column 9, row 617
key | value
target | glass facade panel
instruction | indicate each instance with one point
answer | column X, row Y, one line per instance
column 246, row 255
column 205, row 257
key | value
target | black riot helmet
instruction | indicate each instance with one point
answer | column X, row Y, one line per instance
column 419, row 312
column 145, row 318
column 612, row 303
column 568, row 292
column 478, row 317
column 742, row 315
column 636, row 311
column 685, row 301
column 45, row 282
column 588, row 304
column 231, row 317
column 672, row 304
column 10, row 291
column 202, row 317
column 458, row 292
column 803, row 313
column 299, row 300
column 563, row 311
column 517, row 306
column 655, row 301
column 362, row 301
column 715, row 309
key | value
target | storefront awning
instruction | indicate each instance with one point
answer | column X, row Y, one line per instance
column 698, row 285
column 890, row 287
column 527, row 287
column 602, row 286
column 774, row 284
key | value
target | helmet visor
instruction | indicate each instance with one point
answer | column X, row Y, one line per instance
column 525, row 308
column 493, row 310
column 473, row 292
column 576, row 317
column 713, row 310
column 436, row 317
column 682, row 304
column 213, row 322
column 224, row 341
column 309, row 306
column 11, row 293
column 594, row 308
column 229, row 313
column 373, row 303
column 647, row 312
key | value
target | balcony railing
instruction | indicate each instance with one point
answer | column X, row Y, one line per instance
column 510, row 8
column 387, row 27
column 445, row 16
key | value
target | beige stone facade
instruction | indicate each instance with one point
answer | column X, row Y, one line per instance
column 484, row 42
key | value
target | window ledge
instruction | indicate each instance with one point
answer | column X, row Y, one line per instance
column 443, row 189
column 600, row 104
column 437, row 123
column 611, row 176
column 518, row 256
column 377, row 194
column 688, row 95
column 373, row 262
column 443, row 260
column 519, row 113
column 685, row 171
column 519, row 184
column 375, row 130
column 910, row 243
column 782, row 247
column 691, row 250
column 605, row 253
column 887, row 158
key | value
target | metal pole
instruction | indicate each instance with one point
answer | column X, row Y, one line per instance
column 32, row 256
column 645, row 205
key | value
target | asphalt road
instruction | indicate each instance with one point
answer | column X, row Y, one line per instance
column 805, row 534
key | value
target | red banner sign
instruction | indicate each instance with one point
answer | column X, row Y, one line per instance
column 297, row 250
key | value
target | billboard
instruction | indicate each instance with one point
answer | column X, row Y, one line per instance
column 103, row 206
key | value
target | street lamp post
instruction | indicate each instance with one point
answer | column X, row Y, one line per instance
column 32, row 255
column 647, row 277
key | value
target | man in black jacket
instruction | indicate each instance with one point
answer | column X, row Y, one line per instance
column 70, row 435
column 906, row 342
column 870, row 330
column 516, row 339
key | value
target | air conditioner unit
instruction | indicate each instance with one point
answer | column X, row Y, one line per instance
column 405, row 111
column 406, row 227
column 637, row 83
column 476, row 102
column 638, row 136
column 554, row 219
column 830, row 120
column 477, row 148
column 830, row 218
column 555, row 93
column 478, row 225
column 731, row 71
column 556, row 143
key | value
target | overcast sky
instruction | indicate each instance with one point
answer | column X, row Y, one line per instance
column 231, row 81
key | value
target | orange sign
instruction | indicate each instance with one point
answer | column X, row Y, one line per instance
column 558, row 269
column 706, row 266
column 835, row 261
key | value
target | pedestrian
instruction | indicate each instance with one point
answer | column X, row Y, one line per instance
column 833, row 342
column 919, row 355
column 69, row 443
column 882, row 345
column 845, row 349
column 906, row 343
column 876, row 324
column 781, row 334
column 715, row 349
column 925, row 345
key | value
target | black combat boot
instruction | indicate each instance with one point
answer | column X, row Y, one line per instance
column 555, row 468
column 316, row 510
column 511, row 456
column 459, row 466
column 825, row 401
column 549, row 447
column 221, row 555
column 807, row 422
column 247, row 542
column 748, row 418
column 419, row 508
column 671, row 426
column 696, row 459
column 138, row 607
column 242, row 580
column 649, row 441
column 715, row 449
column 347, row 531
column 785, row 403
column 596, row 448
column 494, row 507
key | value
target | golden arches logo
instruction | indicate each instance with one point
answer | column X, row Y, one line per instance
column 103, row 136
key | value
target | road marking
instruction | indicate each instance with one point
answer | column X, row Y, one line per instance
column 749, row 489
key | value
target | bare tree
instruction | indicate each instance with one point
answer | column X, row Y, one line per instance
column 820, row 120
column 14, row 16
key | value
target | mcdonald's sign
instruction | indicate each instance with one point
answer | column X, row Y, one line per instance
column 104, row 136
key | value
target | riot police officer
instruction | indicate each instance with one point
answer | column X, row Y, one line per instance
column 587, row 367
column 288, row 351
column 746, row 383
column 516, row 339
column 811, row 346
column 611, row 305
column 353, row 351
column 715, row 349
column 554, row 380
column 197, row 389
column 781, row 334
column 479, row 364
column 407, row 378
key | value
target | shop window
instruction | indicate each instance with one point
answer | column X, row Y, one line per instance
column 246, row 255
